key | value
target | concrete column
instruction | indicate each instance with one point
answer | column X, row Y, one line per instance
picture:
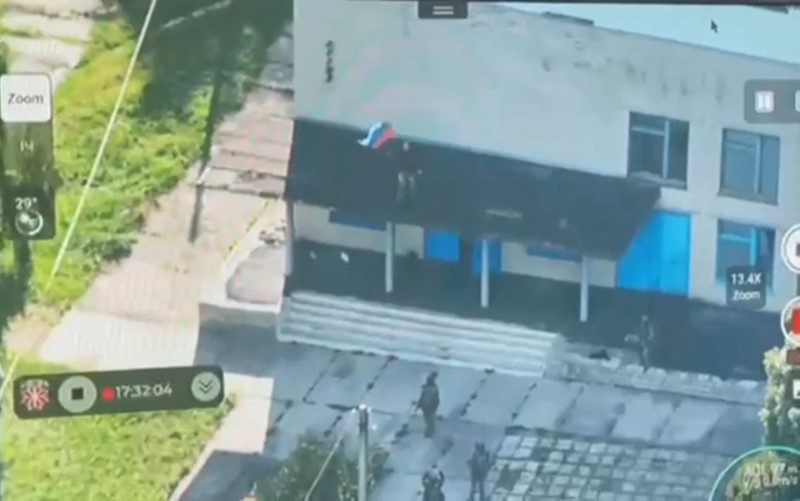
column 584, row 289
column 484, row 273
column 390, row 252
column 289, row 242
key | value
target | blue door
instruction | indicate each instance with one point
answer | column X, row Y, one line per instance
column 658, row 258
column 495, row 256
column 442, row 246
column 676, row 239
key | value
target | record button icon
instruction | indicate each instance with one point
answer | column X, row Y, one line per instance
column 77, row 394
column 790, row 249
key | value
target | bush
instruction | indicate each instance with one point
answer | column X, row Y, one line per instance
column 781, row 428
column 781, row 419
column 338, row 483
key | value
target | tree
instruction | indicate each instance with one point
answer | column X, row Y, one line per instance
column 339, row 482
column 781, row 421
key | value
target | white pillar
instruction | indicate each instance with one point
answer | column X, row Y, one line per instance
column 289, row 240
column 584, row 289
column 484, row 273
column 390, row 252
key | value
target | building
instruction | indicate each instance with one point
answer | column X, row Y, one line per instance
column 547, row 148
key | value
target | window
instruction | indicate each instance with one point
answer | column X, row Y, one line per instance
column 750, row 165
column 345, row 219
column 744, row 245
column 658, row 148
column 549, row 252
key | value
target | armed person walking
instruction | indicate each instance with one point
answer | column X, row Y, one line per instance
column 479, row 465
column 432, row 483
column 428, row 403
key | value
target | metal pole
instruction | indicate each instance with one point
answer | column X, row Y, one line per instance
column 363, row 453
column 484, row 273
column 584, row 299
column 390, row 251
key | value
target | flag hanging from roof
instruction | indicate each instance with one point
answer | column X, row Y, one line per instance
column 379, row 134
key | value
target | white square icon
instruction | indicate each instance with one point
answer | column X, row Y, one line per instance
column 765, row 101
column 796, row 389
column 26, row 98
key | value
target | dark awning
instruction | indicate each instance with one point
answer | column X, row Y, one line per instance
column 471, row 193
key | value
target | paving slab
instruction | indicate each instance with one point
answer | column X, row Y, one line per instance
column 691, row 422
column 498, row 399
column 295, row 369
column 303, row 418
column 383, row 430
column 738, row 429
column 298, row 420
column 644, row 417
column 277, row 410
column 456, row 489
column 547, row 403
column 398, row 387
column 456, row 388
column 399, row 487
column 460, row 438
column 414, row 453
column 595, row 410
column 346, row 380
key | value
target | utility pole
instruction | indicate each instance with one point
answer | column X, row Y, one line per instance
column 363, row 452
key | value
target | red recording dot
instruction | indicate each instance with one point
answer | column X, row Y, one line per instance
column 108, row 394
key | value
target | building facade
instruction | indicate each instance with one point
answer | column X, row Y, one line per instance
column 559, row 92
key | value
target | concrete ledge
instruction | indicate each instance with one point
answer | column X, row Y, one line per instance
column 234, row 312
column 216, row 306
column 577, row 368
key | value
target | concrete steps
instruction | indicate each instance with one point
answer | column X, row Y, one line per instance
column 355, row 325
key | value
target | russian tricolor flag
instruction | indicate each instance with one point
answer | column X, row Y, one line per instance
column 379, row 134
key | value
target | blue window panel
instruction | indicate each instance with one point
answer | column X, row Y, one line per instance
column 345, row 219
column 635, row 270
column 442, row 246
column 676, row 251
column 744, row 245
column 659, row 257
column 495, row 256
column 553, row 253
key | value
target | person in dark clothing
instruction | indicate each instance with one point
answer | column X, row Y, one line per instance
column 643, row 340
column 432, row 483
column 479, row 465
column 428, row 403
column 407, row 173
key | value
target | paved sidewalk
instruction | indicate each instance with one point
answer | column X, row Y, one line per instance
column 605, row 441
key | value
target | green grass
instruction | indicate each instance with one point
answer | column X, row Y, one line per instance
column 160, row 132
column 132, row 457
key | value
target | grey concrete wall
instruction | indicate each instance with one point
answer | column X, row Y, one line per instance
column 551, row 91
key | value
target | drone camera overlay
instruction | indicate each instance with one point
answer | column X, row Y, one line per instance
column 406, row 250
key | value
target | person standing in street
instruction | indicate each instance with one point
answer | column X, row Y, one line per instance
column 428, row 403
column 432, row 484
column 479, row 465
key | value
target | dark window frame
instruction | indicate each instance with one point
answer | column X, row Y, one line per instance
column 666, row 132
column 760, row 192
column 752, row 241
column 343, row 218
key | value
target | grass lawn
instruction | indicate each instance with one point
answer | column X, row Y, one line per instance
column 159, row 133
column 129, row 457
